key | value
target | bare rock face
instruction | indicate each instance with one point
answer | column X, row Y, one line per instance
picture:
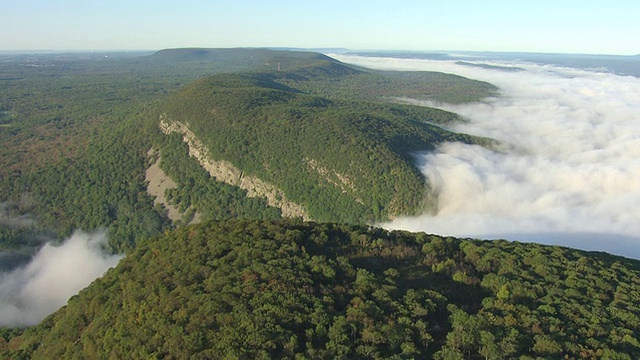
column 158, row 182
column 226, row 172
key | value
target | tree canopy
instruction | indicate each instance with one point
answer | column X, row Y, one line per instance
column 289, row 289
column 76, row 130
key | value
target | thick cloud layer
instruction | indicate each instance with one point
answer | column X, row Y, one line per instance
column 570, row 170
column 30, row 293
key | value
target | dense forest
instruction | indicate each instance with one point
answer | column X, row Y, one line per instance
column 76, row 131
column 290, row 289
column 80, row 130
column 342, row 160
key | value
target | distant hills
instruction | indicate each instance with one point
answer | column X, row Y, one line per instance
column 234, row 59
column 322, row 75
column 617, row 64
column 490, row 67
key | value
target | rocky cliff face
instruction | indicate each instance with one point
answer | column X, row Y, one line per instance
column 226, row 172
column 157, row 183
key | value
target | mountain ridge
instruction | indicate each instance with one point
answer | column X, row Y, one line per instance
column 256, row 289
column 265, row 129
column 281, row 288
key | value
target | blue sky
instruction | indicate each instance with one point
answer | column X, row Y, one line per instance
column 566, row 26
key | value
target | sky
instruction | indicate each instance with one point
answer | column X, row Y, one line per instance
column 567, row 26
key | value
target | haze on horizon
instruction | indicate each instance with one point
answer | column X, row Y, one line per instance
column 587, row 27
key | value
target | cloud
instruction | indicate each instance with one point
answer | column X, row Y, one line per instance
column 29, row 293
column 571, row 171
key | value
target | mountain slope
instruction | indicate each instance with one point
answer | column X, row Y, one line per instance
column 322, row 75
column 341, row 160
column 247, row 289
column 76, row 130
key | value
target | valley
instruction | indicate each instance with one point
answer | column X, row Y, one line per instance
column 243, row 185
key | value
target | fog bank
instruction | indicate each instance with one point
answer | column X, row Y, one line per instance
column 570, row 172
column 31, row 292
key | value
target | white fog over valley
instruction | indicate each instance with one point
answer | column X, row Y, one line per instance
column 569, row 173
column 53, row 275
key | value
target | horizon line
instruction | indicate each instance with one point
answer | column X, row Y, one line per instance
column 318, row 49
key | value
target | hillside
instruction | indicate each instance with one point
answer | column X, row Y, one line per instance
column 336, row 160
column 77, row 130
column 321, row 75
column 258, row 134
column 205, row 61
column 288, row 289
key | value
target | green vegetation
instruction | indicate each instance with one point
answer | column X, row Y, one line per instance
column 391, row 86
column 76, row 146
column 287, row 289
column 76, row 133
column 343, row 160
column 214, row 200
column 17, row 228
column 323, row 76
column 76, row 129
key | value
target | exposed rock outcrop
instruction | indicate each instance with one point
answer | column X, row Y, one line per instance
column 226, row 172
column 158, row 183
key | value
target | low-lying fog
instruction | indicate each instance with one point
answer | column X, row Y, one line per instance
column 570, row 173
column 35, row 290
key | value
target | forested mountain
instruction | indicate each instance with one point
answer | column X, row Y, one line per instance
column 342, row 160
column 248, row 136
column 77, row 129
column 288, row 289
